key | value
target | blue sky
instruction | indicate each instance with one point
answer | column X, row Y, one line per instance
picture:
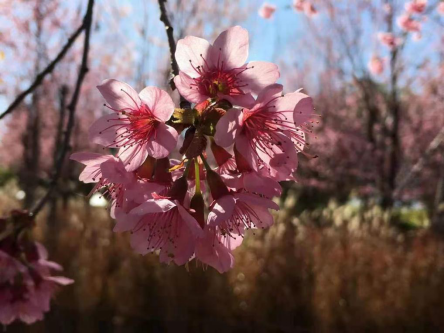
column 278, row 40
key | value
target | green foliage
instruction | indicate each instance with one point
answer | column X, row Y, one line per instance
column 410, row 218
column 5, row 176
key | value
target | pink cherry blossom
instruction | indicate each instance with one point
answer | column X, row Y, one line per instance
column 219, row 71
column 271, row 133
column 388, row 39
column 109, row 174
column 299, row 5
column 235, row 212
column 309, row 9
column 387, row 8
column 138, row 125
column 440, row 8
column 242, row 177
column 376, row 65
column 10, row 267
column 305, row 6
column 26, row 291
column 163, row 224
column 407, row 23
column 267, row 10
column 416, row 6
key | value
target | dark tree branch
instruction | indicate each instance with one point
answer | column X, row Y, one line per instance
column 172, row 45
column 39, row 78
column 88, row 19
column 433, row 146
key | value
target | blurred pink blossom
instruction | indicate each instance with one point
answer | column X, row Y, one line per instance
column 305, row 6
column 416, row 6
column 267, row 10
column 26, row 283
column 440, row 8
column 388, row 39
column 407, row 23
column 376, row 65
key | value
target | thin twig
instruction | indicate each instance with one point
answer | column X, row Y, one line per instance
column 172, row 46
column 420, row 163
column 39, row 78
column 71, row 109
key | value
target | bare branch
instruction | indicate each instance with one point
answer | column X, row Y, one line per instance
column 172, row 45
column 420, row 163
column 39, row 78
column 88, row 19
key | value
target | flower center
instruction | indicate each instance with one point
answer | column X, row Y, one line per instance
column 214, row 80
column 263, row 125
column 132, row 127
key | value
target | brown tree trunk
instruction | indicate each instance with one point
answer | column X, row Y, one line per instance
column 52, row 226
column 392, row 159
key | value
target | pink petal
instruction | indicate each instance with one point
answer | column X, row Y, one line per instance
column 243, row 146
column 183, row 248
column 119, row 95
column 63, row 281
column 159, row 102
column 212, row 252
column 261, row 217
column 133, row 156
column 192, row 224
column 303, row 110
column 228, row 127
column 90, row 158
column 138, row 241
column 245, row 100
column 259, row 75
column 253, row 182
column 256, row 200
column 125, row 221
column 269, row 93
column 50, row 264
column 141, row 191
column 115, row 172
column 222, row 210
column 190, row 53
column 107, row 129
column 153, row 206
column 164, row 142
column 234, row 181
column 231, row 47
column 184, row 83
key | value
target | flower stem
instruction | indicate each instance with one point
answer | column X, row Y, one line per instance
column 197, row 180
column 207, row 166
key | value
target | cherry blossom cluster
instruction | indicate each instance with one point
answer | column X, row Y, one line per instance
column 239, row 135
column 26, row 281
column 410, row 21
column 267, row 10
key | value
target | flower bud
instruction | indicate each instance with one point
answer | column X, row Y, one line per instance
column 221, row 155
column 161, row 173
column 198, row 205
column 179, row 189
column 216, row 184
column 147, row 168
column 241, row 163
